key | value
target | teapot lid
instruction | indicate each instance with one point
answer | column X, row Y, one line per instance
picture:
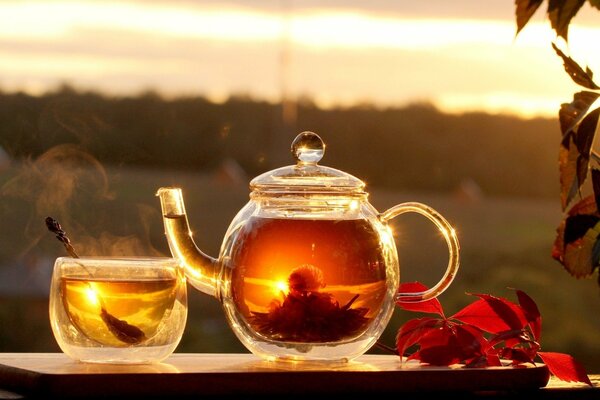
column 307, row 176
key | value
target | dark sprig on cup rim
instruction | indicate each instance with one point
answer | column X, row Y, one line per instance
column 121, row 329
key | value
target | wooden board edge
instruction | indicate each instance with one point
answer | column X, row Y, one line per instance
column 290, row 382
column 19, row 380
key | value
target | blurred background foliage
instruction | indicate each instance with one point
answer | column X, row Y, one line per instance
column 381, row 144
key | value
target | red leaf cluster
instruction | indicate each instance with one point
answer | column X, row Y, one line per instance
column 482, row 334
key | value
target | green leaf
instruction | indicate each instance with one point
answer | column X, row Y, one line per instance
column 578, row 259
column 576, row 246
column 586, row 131
column 576, row 73
column 574, row 157
column 587, row 206
column 561, row 12
column 576, row 226
column 571, row 113
column 584, row 138
column 524, row 11
column 568, row 165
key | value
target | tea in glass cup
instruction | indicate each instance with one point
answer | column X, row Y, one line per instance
column 118, row 310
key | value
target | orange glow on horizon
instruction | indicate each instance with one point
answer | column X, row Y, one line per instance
column 126, row 47
column 279, row 287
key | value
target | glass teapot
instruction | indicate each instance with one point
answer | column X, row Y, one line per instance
column 308, row 269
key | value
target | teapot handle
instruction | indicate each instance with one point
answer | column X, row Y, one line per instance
column 453, row 248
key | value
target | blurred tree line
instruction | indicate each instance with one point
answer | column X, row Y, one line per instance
column 408, row 148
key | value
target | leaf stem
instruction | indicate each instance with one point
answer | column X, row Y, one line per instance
column 385, row 347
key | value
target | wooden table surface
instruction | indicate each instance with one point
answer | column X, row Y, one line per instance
column 51, row 375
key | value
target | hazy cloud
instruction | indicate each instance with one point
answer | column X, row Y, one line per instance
column 385, row 52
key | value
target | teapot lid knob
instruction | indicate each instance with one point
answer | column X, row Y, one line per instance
column 306, row 176
column 308, row 148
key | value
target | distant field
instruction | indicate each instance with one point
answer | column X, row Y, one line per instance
column 505, row 243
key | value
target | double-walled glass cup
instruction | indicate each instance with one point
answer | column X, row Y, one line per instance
column 118, row 310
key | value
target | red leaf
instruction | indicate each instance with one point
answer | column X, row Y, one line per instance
column 565, row 367
column 518, row 356
column 470, row 340
column 449, row 343
column 524, row 351
column 478, row 362
column 432, row 306
column 493, row 360
column 440, row 347
column 492, row 314
column 532, row 313
column 412, row 331
column 510, row 338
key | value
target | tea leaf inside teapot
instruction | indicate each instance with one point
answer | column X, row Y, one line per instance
column 308, row 314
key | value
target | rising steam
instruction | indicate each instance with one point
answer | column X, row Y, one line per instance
column 70, row 184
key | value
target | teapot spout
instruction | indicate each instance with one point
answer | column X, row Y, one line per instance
column 200, row 269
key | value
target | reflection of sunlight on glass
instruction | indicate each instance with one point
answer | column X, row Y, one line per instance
column 280, row 287
column 195, row 273
column 387, row 235
column 92, row 296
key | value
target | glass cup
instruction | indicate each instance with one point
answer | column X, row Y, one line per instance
column 118, row 310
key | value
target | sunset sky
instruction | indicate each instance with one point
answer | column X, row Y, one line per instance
column 452, row 53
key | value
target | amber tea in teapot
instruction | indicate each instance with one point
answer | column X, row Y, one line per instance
column 308, row 269
column 305, row 280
